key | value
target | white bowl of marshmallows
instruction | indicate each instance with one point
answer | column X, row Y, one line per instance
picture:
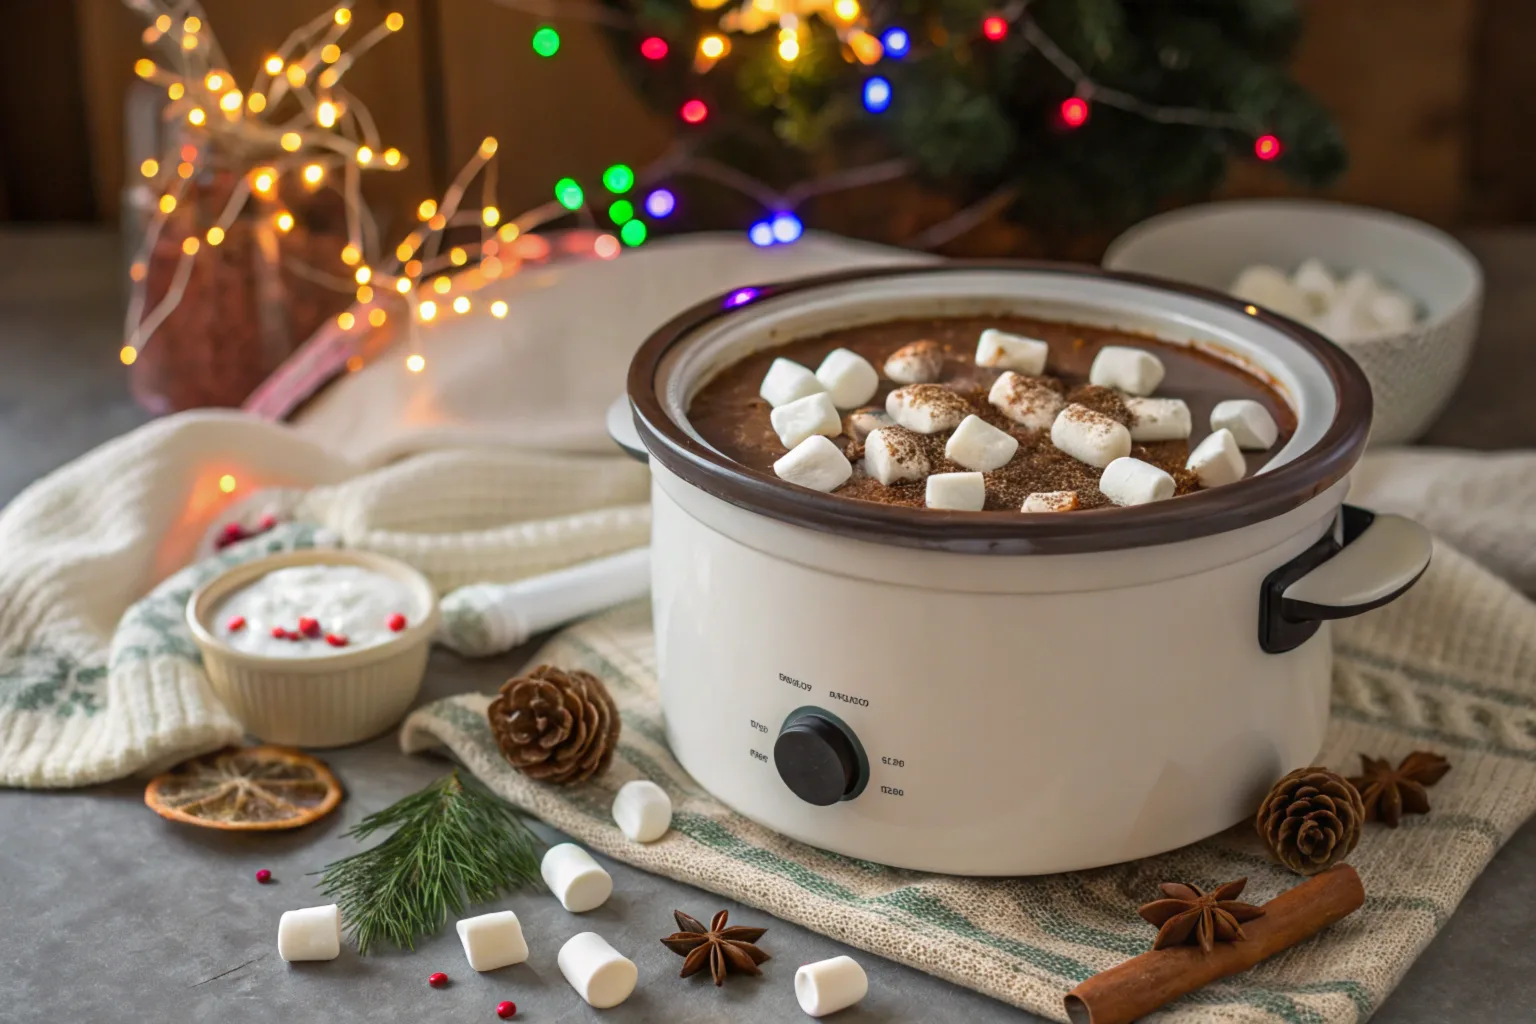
column 1399, row 296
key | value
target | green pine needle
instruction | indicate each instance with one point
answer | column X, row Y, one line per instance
column 455, row 843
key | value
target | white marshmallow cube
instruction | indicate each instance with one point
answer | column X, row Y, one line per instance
column 1217, row 461
column 816, row 463
column 1159, row 419
column 860, row 423
column 313, row 933
column 830, row 985
column 1392, row 311
column 919, row 362
column 787, row 381
column 1317, row 285
column 961, row 492
column 890, row 456
column 578, row 881
column 1268, row 286
column 1252, row 426
column 977, row 444
column 848, row 377
column 1050, row 501
column 600, row 974
column 642, row 809
column 1132, row 370
column 1006, row 351
column 806, row 417
column 1027, row 402
column 1130, row 481
column 926, row 408
column 492, row 941
column 1090, row 436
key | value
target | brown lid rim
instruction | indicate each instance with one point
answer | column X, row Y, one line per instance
column 1202, row 514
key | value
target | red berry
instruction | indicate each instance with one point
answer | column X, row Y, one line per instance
column 294, row 634
column 279, row 633
column 263, row 876
column 395, row 622
column 309, row 627
column 268, row 521
column 438, row 980
column 235, row 623
column 336, row 640
column 506, row 1009
column 233, row 532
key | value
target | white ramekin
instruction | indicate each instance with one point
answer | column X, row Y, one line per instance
column 329, row 700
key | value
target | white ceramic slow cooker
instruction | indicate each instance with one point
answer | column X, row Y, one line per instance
column 992, row 693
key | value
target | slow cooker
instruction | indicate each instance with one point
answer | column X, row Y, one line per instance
column 989, row 693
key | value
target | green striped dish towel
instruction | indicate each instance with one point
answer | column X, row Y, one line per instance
column 1450, row 668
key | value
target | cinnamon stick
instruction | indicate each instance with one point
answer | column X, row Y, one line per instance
column 1144, row 983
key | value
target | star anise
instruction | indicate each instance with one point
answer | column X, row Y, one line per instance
column 1388, row 792
column 1191, row 917
column 724, row 949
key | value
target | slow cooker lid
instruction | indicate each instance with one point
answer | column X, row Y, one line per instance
column 1324, row 387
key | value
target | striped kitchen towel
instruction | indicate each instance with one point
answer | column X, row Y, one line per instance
column 1450, row 668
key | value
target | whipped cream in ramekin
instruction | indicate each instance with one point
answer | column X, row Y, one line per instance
column 308, row 611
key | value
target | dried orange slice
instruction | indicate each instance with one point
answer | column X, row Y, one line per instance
column 246, row 789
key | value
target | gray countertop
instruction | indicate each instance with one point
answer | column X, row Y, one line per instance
column 109, row 913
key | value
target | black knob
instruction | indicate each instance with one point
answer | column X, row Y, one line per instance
column 816, row 759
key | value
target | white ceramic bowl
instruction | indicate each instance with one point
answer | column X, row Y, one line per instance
column 1412, row 373
column 329, row 700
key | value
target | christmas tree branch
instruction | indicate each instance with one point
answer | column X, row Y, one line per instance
column 953, row 227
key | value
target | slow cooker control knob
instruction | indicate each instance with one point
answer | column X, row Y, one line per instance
column 817, row 758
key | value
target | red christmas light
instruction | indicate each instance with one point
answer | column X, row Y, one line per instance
column 1267, row 147
column 654, row 48
column 695, row 111
column 995, row 27
column 1074, row 111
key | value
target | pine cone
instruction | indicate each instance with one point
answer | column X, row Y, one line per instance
column 555, row 726
column 1311, row 819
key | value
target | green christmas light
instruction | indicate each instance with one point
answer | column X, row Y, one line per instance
column 619, row 179
column 633, row 233
column 622, row 212
column 546, row 41
column 569, row 194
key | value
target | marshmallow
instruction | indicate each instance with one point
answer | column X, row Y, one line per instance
column 963, row 492
column 578, row 881
column 493, row 940
column 313, row 933
column 1011, row 352
column 1027, row 402
column 1159, row 419
column 1251, row 424
column 1392, row 311
column 1132, row 370
column 977, row 444
column 599, row 973
column 1050, row 501
column 642, row 809
column 1090, row 436
column 1217, row 461
column 788, row 381
column 816, row 463
column 926, row 408
column 848, row 377
column 1316, row 284
column 1269, row 287
column 892, row 455
column 1128, row 481
column 920, row 362
column 860, row 423
column 830, row 985
column 806, row 417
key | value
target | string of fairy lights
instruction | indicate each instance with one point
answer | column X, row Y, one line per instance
column 297, row 123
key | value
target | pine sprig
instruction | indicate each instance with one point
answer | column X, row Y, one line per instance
column 455, row 843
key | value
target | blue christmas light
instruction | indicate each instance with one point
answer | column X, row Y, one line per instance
column 877, row 95
column 896, row 42
column 660, row 204
column 786, row 227
column 761, row 234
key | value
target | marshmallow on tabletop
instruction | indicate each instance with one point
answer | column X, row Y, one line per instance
column 830, row 985
column 1090, row 436
column 860, row 423
column 848, row 377
column 1027, row 402
column 926, row 408
column 977, row 444
column 577, row 881
column 806, row 417
column 1130, row 481
column 1005, row 351
column 1252, row 426
column 960, row 492
column 492, row 941
column 892, row 455
column 816, row 463
column 313, row 933
column 642, row 809
column 599, row 973
column 1050, row 501
column 788, row 381
column 1159, row 419
column 1132, row 370
column 1217, row 461
column 920, row 362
